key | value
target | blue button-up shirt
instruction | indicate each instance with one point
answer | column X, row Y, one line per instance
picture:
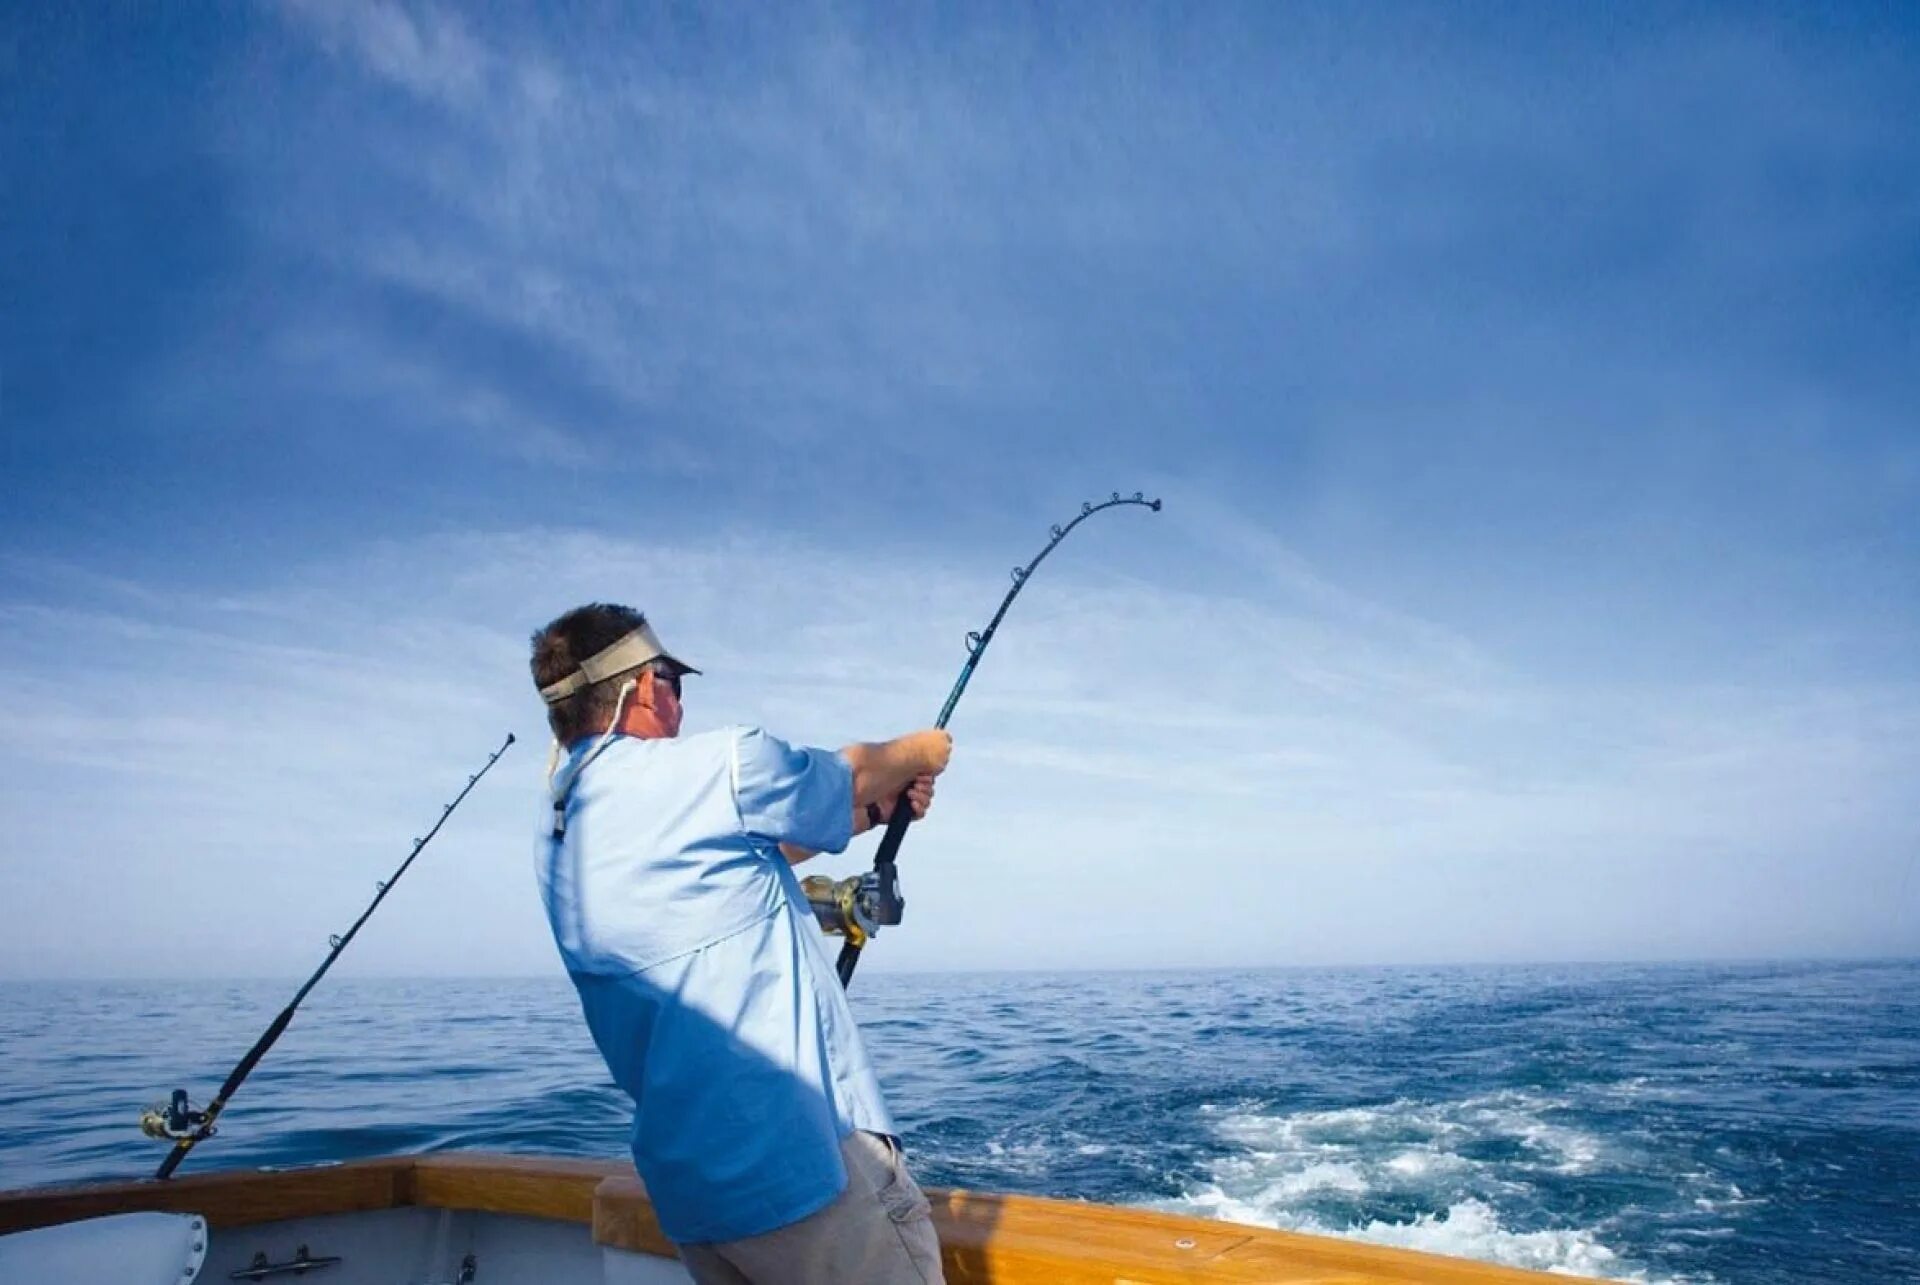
column 701, row 970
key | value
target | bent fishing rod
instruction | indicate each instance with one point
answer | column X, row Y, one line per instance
column 178, row 1122
column 856, row 908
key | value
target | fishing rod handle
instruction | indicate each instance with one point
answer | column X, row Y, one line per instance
column 897, row 823
column 172, row 1162
column 849, row 960
column 902, row 815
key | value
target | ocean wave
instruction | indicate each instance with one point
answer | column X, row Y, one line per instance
column 1472, row 1229
column 1511, row 1116
column 1469, row 1228
column 1432, row 1175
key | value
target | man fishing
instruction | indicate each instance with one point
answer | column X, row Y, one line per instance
column 758, row 1128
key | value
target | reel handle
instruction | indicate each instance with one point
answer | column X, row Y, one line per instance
column 175, row 1122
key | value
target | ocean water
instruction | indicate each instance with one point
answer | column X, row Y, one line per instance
column 1751, row 1123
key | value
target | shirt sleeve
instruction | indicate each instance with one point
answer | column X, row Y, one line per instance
column 791, row 794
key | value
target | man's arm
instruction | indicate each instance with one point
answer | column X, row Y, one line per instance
column 795, row 854
column 919, row 795
column 881, row 771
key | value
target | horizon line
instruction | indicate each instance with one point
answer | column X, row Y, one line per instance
column 1729, row 961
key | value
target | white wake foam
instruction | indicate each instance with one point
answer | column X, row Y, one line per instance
column 1471, row 1229
column 1327, row 1171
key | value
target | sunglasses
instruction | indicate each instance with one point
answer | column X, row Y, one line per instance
column 669, row 677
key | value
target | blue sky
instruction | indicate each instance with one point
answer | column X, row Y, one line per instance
column 1532, row 390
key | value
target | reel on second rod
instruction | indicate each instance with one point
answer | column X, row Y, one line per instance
column 177, row 1121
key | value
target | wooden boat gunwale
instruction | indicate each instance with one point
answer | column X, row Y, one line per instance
column 1004, row 1239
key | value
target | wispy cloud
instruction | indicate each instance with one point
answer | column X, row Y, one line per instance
column 423, row 49
column 291, row 735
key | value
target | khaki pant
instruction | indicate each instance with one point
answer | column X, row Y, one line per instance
column 878, row 1231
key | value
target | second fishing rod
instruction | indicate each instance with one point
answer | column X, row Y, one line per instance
column 178, row 1121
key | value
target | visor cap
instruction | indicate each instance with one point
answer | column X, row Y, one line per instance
column 631, row 651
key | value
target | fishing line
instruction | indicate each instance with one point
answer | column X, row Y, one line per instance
column 178, row 1122
column 876, row 900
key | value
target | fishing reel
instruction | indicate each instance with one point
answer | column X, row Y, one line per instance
column 178, row 1121
column 855, row 907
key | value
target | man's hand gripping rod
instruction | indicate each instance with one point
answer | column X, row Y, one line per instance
column 859, row 908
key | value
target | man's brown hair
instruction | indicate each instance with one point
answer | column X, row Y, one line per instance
column 558, row 650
